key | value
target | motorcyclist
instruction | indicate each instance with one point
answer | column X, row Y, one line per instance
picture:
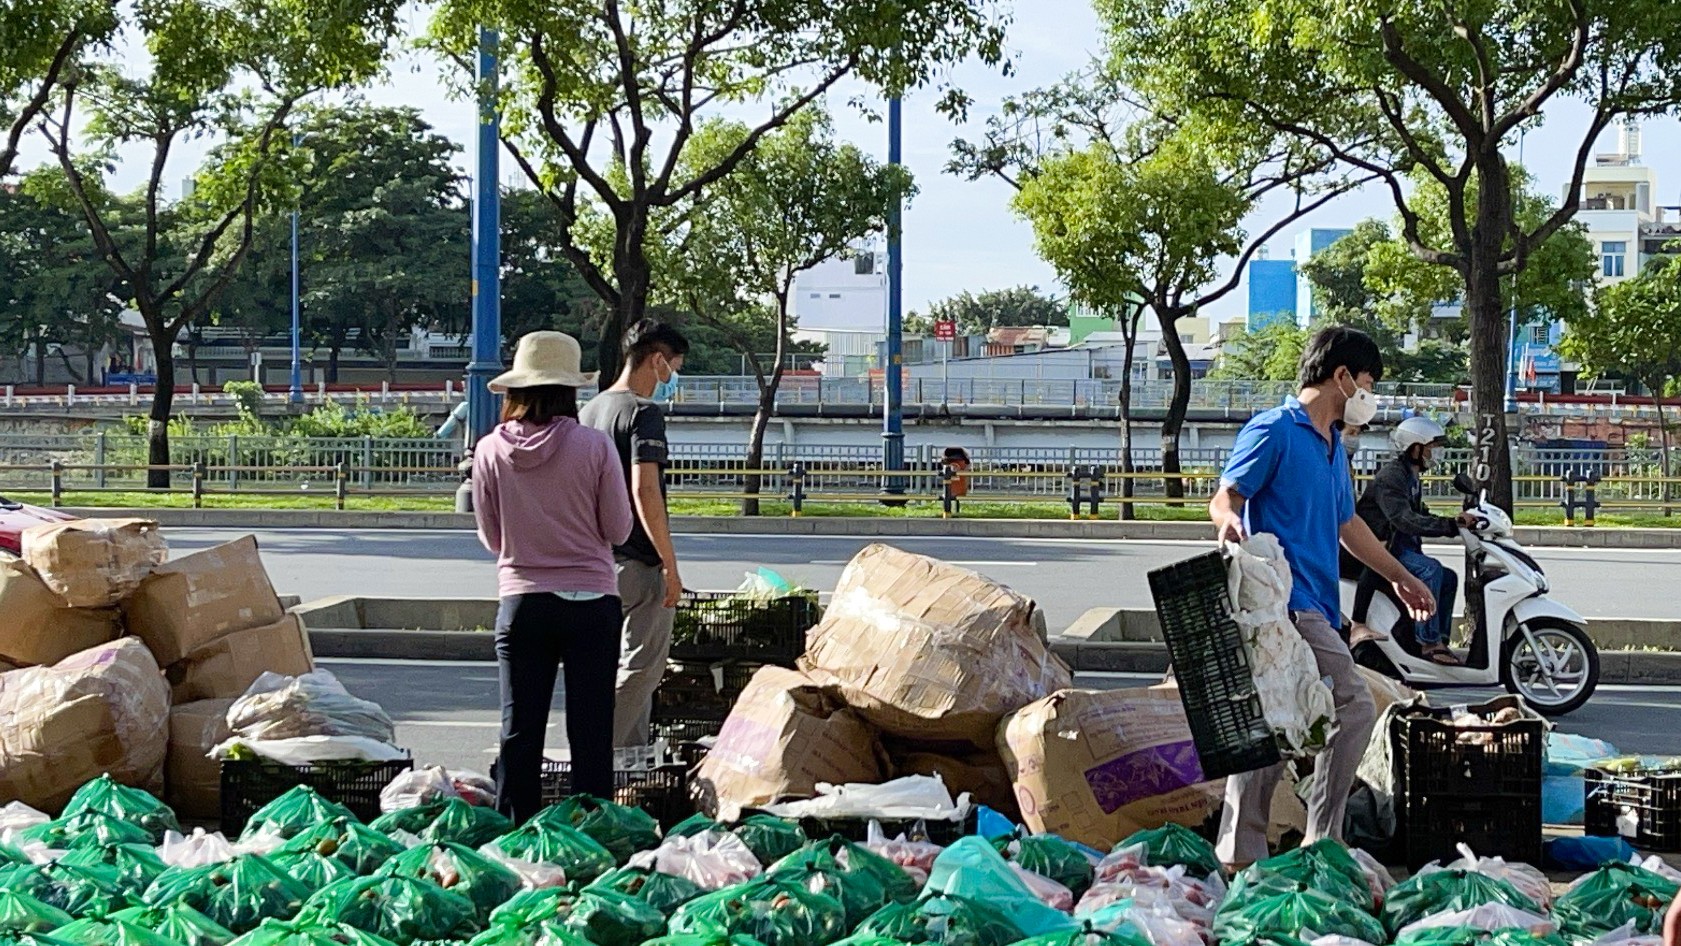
column 1393, row 505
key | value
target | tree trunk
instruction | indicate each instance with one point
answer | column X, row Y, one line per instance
column 163, row 402
column 1180, row 404
column 1129, row 337
column 40, row 359
column 635, row 277
column 1663, row 446
column 1491, row 351
column 335, row 341
column 767, row 407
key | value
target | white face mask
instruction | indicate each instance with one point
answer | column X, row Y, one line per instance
column 1360, row 408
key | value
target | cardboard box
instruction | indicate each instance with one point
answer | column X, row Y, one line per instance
column 36, row 629
column 102, row 710
column 193, row 780
column 928, row 651
column 1098, row 766
column 94, row 563
column 981, row 774
column 227, row 668
column 784, row 736
column 190, row 603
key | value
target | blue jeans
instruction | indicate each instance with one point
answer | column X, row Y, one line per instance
column 1443, row 583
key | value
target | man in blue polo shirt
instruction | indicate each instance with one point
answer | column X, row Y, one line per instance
column 1288, row 476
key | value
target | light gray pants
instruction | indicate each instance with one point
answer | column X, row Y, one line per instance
column 645, row 642
column 1243, row 827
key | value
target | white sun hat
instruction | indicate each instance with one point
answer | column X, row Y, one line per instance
column 545, row 358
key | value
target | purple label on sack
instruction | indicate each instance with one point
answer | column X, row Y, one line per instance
column 1144, row 774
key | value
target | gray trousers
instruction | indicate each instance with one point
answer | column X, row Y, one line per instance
column 1243, row 827
column 645, row 642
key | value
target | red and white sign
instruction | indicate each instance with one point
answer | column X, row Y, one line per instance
column 945, row 330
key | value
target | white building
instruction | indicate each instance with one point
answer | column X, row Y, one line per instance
column 843, row 304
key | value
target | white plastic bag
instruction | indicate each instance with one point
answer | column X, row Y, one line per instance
column 474, row 789
column 914, row 796
column 16, row 816
column 1335, row 940
column 1659, row 866
column 1626, row 936
column 265, row 841
column 916, row 857
column 532, row 874
column 1049, row 892
column 407, row 839
column 1188, row 898
column 1491, row 917
column 1294, row 698
column 1156, row 922
column 1378, row 877
column 1529, row 881
column 306, row 750
column 312, row 704
column 711, row 860
column 195, row 850
column 417, row 787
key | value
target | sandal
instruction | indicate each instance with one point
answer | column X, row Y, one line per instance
column 1440, row 654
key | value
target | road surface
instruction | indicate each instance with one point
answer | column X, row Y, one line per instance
column 447, row 713
column 1066, row 577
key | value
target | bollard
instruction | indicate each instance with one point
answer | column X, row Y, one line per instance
column 201, row 470
column 58, row 483
column 1591, row 502
column 11, row 392
column 1096, row 492
column 796, row 488
column 1569, row 501
column 948, row 495
column 70, row 395
column 133, row 394
column 341, row 485
column 1075, row 491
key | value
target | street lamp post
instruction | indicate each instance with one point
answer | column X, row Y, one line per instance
column 486, row 362
column 296, row 390
column 1511, row 401
column 893, row 421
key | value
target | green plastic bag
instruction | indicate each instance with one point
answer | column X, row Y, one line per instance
column 295, row 812
column 777, row 912
column 1467, row 936
column 77, row 891
column 1266, row 939
column 178, row 923
column 579, row 855
column 21, row 913
column 945, row 920
column 1088, row 935
column 135, row 806
column 623, row 831
column 11, row 856
column 312, row 870
column 278, row 933
column 1050, row 856
column 348, row 841
column 694, row 824
column 1325, row 866
column 450, row 820
column 862, row 880
column 1444, row 891
column 461, row 869
column 603, row 917
column 400, row 909
column 865, row 939
column 971, row 868
column 1173, row 844
column 548, row 933
column 1611, row 897
column 87, row 828
column 32, row 939
column 769, row 838
column 239, row 894
column 1305, row 913
column 711, row 937
column 109, row 932
column 137, row 865
column 663, row 892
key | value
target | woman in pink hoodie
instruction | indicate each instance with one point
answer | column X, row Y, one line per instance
column 551, row 503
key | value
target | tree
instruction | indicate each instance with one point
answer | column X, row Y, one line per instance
column 236, row 69
column 798, row 200
column 997, row 308
column 1415, row 87
column 1269, row 353
column 541, row 290
column 1129, row 203
column 1634, row 329
column 43, row 40
column 602, row 100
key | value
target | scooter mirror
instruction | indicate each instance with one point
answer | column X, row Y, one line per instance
column 1462, row 481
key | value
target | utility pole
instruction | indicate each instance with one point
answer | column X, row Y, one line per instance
column 487, row 258
column 296, row 390
column 893, row 420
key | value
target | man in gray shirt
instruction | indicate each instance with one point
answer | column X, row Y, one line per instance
column 649, row 585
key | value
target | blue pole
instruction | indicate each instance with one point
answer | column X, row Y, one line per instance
column 487, row 289
column 893, row 421
column 1511, row 404
column 297, row 387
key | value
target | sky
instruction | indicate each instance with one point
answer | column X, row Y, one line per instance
column 962, row 236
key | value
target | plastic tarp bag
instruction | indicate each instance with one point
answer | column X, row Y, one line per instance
column 973, row 869
column 1089, row 934
column 1527, row 879
column 622, row 830
column 711, row 860
column 312, row 870
column 1303, row 912
column 136, row 865
column 1442, row 891
column 449, row 820
column 346, row 840
column 1049, row 892
column 21, row 913
column 1050, row 856
column 400, row 909
column 775, row 911
column 1172, row 844
column 579, row 855
column 1467, row 936
column 769, row 838
column 461, row 869
column 136, row 806
column 179, row 924
column 77, row 891
column 1492, row 917
column 946, row 920
column 276, row 933
column 109, row 932
column 1613, row 896
column 663, row 892
column 195, row 850
column 239, row 894
column 293, row 813
column 86, row 828
column 532, row 875
column 860, row 879
column 603, row 917
column 1325, row 866
column 312, row 704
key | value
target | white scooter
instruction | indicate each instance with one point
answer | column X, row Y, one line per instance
column 1545, row 654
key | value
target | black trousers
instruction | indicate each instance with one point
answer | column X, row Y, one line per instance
column 537, row 634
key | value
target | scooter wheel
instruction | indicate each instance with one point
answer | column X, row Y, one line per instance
column 1563, row 689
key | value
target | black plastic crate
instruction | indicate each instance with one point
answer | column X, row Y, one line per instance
column 1500, row 826
column 1211, row 665
column 1644, row 807
column 722, row 625
column 1434, row 757
column 662, row 791
column 698, row 691
column 689, row 739
column 857, row 829
column 248, row 785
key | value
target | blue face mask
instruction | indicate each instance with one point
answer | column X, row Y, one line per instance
column 667, row 390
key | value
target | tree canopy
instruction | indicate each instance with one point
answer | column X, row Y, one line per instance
column 979, row 313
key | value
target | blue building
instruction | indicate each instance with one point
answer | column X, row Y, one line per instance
column 1310, row 243
column 1272, row 292
column 1535, row 357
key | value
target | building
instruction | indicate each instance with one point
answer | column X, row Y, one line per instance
column 842, row 303
column 1272, row 292
column 1310, row 243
